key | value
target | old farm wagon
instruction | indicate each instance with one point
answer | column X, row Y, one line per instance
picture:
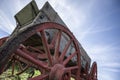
column 42, row 42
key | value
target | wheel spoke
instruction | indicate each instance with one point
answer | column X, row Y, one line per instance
column 40, row 77
column 65, row 51
column 39, row 54
column 46, row 47
column 13, row 67
column 69, row 58
column 71, row 68
column 31, row 59
column 57, row 45
column 35, row 49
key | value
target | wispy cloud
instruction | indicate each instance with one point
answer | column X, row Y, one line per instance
column 100, row 48
column 103, row 52
column 107, row 59
column 8, row 24
column 94, row 30
column 72, row 17
column 104, row 75
column 18, row 5
column 108, row 73
column 5, row 24
column 113, row 70
column 113, row 65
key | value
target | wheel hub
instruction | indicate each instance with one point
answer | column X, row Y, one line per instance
column 58, row 72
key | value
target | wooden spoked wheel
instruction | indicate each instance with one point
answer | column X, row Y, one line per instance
column 93, row 72
column 48, row 47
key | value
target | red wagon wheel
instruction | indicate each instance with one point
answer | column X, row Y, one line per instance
column 93, row 72
column 55, row 51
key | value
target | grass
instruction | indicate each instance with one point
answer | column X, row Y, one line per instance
column 7, row 75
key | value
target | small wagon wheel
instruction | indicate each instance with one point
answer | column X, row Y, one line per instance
column 93, row 72
column 59, row 61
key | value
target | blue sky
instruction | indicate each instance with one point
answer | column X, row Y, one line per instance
column 95, row 23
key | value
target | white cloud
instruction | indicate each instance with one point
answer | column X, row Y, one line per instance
column 94, row 29
column 103, row 52
column 113, row 65
column 5, row 24
column 18, row 5
column 113, row 70
column 70, row 15
column 105, row 56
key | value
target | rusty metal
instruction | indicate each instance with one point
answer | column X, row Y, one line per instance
column 46, row 45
